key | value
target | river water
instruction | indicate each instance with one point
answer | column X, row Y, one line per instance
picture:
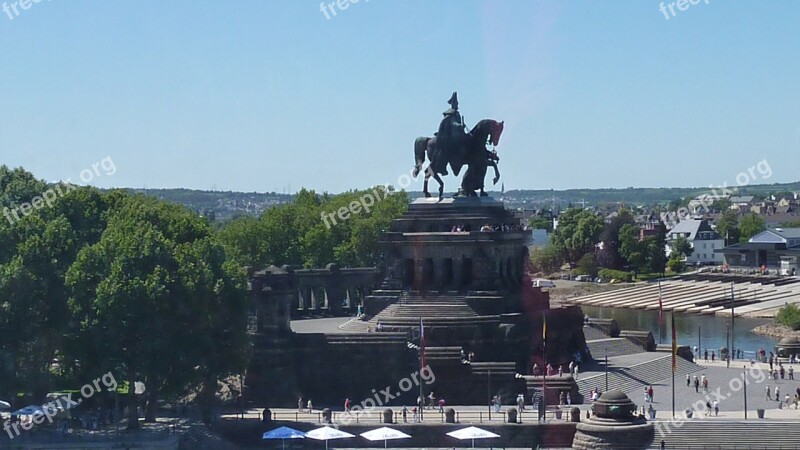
column 710, row 329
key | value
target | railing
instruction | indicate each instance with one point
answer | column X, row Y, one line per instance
column 428, row 416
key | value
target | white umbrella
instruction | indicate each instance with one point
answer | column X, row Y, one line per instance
column 384, row 434
column 472, row 433
column 326, row 433
column 5, row 405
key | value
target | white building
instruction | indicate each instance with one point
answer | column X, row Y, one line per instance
column 703, row 239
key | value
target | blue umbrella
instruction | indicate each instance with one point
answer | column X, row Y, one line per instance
column 283, row 433
column 29, row 410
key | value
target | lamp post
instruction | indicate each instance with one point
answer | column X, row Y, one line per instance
column 606, row 370
column 744, row 379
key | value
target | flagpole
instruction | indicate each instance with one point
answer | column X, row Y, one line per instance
column 544, row 363
column 421, row 366
column 674, row 362
column 660, row 314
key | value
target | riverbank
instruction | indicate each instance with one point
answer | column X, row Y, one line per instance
column 776, row 330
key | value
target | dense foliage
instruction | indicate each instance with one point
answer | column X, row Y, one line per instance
column 304, row 234
column 114, row 282
column 789, row 316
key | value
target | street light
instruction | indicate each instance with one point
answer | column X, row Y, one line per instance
column 606, row 370
column 744, row 379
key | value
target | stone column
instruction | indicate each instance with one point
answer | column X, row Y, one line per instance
column 439, row 273
column 458, row 272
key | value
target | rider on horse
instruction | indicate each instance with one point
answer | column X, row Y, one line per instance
column 451, row 136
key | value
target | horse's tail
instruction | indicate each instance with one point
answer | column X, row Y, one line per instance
column 420, row 145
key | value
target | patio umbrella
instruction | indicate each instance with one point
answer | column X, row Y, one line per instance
column 472, row 433
column 283, row 433
column 5, row 405
column 29, row 411
column 327, row 433
column 384, row 434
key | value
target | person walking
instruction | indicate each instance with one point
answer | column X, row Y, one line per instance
column 650, row 393
column 706, row 355
column 310, row 406
column 713, row 355
column 791, row 372
column 768, row 391
column 777, row 393
column 696, row 385
column 688, row 380
column 716, row 408
column 347, row 405
column 300, row 404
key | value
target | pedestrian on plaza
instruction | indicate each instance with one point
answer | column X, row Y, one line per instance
column 441, row 405
column 705, row 383
column 650, row 393
column 347, row 405
column 713, row 356
column 310, row 406
column 646, row 397
column 770, row 361
column 405, row 414
column 521, row 402
column 706, row 355
column 716, row 408
column 535, row 369
column 786, row 400
column 775, row 374
column 414, row 414
column 708, row 408
column 791, row 372
column 560, row 370
column 569, row 400
column 696, row 385
column 300, row 404
column 777, row 393
column 688, row 380
column 768, row 391
column 562, row 398
column 783, row 372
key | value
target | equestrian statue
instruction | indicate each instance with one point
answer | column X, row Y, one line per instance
column 453, row 145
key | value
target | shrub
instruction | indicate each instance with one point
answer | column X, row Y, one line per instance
column 621, row 275
column 789, row 315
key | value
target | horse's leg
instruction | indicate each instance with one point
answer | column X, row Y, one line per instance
column 441, row 185
column 428, row 172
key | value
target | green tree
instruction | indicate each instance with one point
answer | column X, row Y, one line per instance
column 789, row 316
column 156, row 266
column 541, row 223
column 682, row 248
column 587, row 265
column 577, row 233
column 728, row 226
column 546, row 259
column 751, row 225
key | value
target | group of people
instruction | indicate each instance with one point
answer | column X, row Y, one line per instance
column 503, row 227
column 697, row 382
column 309, row 407
column 550, row 370
column 648, row 394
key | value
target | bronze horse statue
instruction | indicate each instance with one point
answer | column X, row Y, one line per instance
column 472, row 153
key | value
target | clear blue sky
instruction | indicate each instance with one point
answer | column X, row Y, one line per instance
column 263, row 95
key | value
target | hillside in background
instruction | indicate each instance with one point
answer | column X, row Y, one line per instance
column 221, row 206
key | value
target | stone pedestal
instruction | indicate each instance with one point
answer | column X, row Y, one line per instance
column 613, row 426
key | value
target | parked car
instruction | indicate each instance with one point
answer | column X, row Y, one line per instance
column 542, row 283
column 565, row 276
column 583, row 278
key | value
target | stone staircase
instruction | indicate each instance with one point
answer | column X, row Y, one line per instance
column 592, row 333
column 200, row 437
column 614, row 347
column 632, row 379
column 728, row 435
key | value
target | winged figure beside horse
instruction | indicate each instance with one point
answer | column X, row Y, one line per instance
column 453, row 145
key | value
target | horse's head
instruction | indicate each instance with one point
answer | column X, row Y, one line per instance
column 496, row 129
